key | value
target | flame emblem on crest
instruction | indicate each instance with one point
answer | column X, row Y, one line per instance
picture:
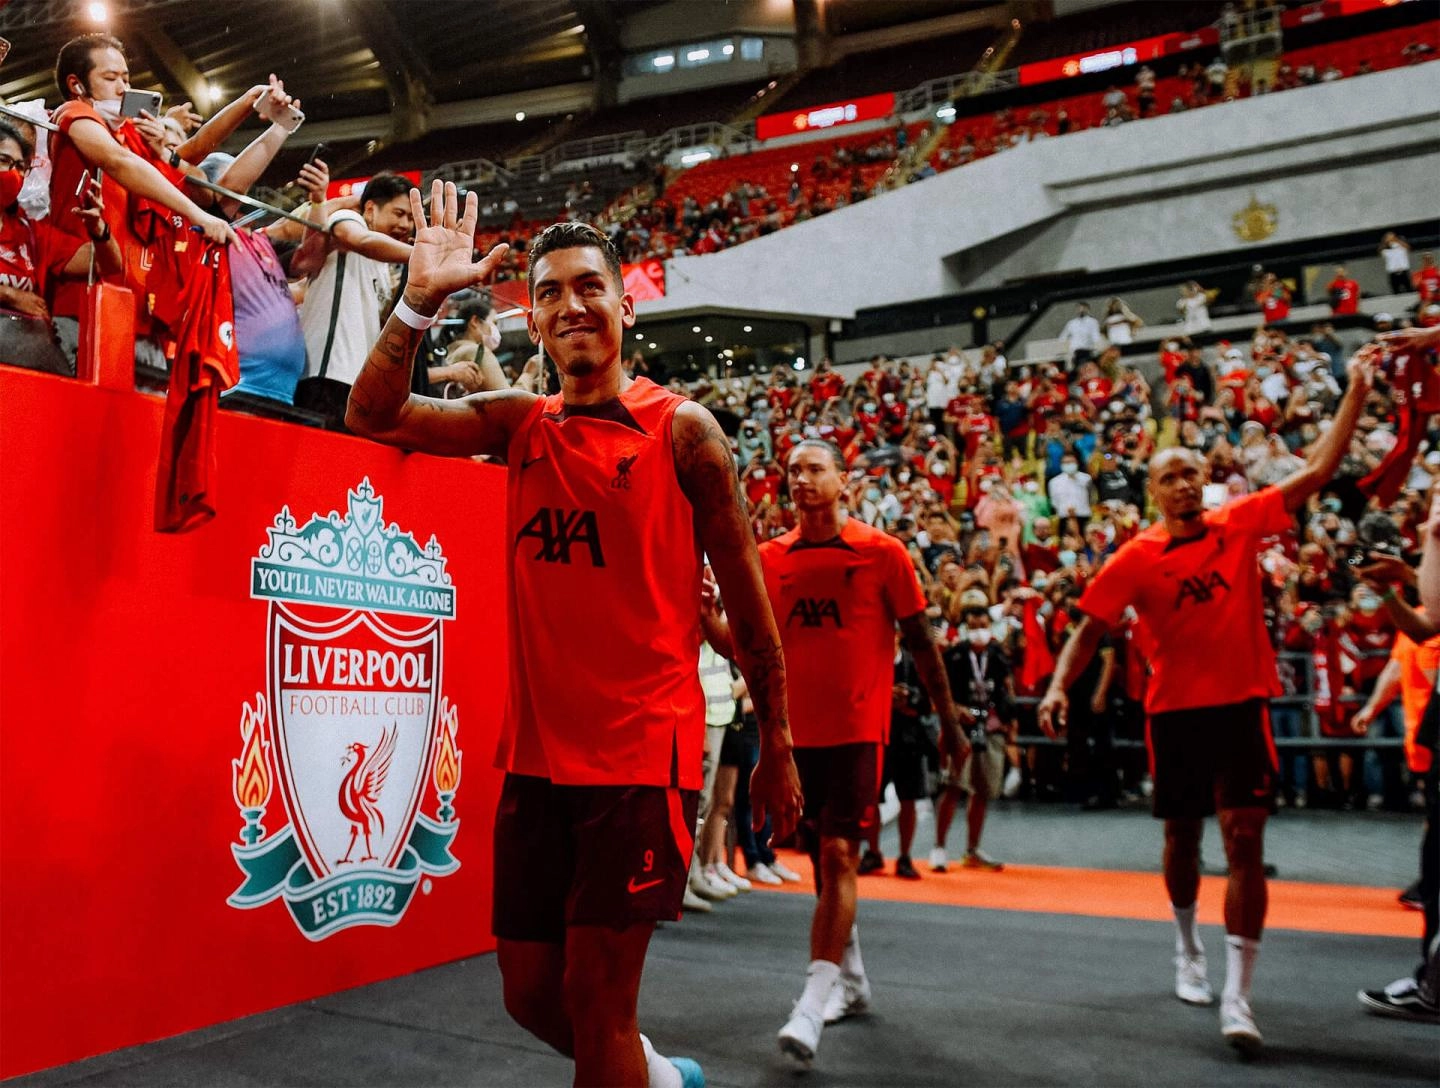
column 252, row 770
column 447, row 763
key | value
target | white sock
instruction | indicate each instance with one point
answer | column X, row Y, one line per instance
column 662, row 1073
column 851, row 966
column 1240, row 956
column 819, row 980
column 1187, row 939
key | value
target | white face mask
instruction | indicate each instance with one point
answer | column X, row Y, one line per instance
column 979, row 637
column 759, row 474
column 110, row 111
column 1032, row 486
column 492, row 337
column 1069, row 469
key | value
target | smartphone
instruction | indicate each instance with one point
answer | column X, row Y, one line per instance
column 135, row 101
column 287, row 117
column 84, row 184
column 315, row 153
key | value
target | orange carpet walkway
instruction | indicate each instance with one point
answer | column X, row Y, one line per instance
column 1107, row 893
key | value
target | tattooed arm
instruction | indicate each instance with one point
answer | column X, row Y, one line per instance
column 707, row 477
column 381, row 405
column 915, row 630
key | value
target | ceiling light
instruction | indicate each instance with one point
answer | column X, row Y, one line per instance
column 519, row 115
column 216, row 94
column 98, row 12
column 799, row 364
column 694, row 157
column 748, row 329
column 728, row 353
column 653, row 347
column 695, row 329
column 946, row 113
column 709, row 339
column 639, row 336
column 664, row 60
column 698, row 54
column 728, row 50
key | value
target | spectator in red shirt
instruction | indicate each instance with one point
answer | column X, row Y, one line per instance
column 1427, row 279
column 826, row 384
column 1344, row 294
column 34, row 256
column 1273, row 299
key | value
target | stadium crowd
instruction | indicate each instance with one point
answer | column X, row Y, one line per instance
column 1008, row 484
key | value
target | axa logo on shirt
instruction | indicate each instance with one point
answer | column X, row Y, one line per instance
column 814, row 611
column 558, row 530
column 1200, row 589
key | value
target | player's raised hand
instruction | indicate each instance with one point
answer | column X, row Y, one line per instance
column 440, row 263
column 1360, row 370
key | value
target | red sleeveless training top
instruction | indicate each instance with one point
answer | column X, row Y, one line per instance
column 604, row 598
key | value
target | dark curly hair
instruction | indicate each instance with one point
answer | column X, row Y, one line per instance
column 575, row 236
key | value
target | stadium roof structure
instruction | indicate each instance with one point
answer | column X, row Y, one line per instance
column 398, row 67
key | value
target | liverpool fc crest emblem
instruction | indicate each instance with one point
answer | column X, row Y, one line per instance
column 353, row 733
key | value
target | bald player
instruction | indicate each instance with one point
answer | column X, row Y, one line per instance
column 1195, row 583
column 839, row 588
column 614, row 486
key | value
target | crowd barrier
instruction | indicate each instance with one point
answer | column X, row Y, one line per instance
column 194, row 725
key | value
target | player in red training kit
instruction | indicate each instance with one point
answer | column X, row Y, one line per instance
column 1194, row 580
column 838, row 588
column 614, row 486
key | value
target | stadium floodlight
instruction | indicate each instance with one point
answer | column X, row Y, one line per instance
column 695, row 328
column 709, row 339
column 99, row 12
column 639, row 336
column 653, row 346
column 749, row 329
column 728, row 50
column 519, row 115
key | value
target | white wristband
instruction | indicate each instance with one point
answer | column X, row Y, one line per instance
column 412, row 317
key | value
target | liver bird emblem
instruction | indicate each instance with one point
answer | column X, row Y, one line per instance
column 360, row 790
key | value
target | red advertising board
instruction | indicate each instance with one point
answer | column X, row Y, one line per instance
column 235, row 771
column 869, row 108
column 1119, row 56
column 346, row 186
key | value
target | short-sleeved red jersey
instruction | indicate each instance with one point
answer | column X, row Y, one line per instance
column 1200, row 605
column 836, row 604
column 604, row 598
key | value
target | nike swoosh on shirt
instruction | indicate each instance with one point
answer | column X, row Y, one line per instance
column 636, row 888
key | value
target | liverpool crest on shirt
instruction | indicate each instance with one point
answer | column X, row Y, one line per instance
column 349, row 755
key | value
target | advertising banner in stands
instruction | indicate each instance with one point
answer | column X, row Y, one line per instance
column 1118, row 56
column 231, row 774
column 869, row 108
column 346, row 186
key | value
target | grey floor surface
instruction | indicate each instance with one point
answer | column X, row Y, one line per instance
column 963, row 997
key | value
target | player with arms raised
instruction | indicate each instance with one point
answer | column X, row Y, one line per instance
column 1194, row 581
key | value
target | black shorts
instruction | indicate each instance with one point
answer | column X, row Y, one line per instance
column 842, row 791
column 1214, row 757
column 588, row 856
column 732, row 749
column 910, row 761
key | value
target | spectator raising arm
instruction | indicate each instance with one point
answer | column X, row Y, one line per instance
column 381, row 405
column 219, row 128
column 100, row 151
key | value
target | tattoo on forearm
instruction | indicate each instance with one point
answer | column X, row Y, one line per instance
column 382, row 387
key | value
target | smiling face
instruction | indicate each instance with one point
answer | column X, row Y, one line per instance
column 580, row 313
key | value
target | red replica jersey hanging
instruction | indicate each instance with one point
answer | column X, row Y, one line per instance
column 1200, row 605
column 604, row 598
column 836, row 604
